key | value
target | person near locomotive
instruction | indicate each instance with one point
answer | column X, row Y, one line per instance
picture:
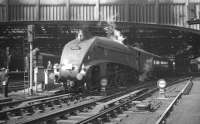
column 4, row 73
column 4, row 81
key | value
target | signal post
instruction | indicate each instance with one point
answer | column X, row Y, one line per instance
column 30, row 40
column 162, row 85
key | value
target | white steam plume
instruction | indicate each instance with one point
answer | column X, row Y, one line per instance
column 111, row 30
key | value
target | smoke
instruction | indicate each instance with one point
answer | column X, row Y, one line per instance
column 146, row 70
column 85, row 33
column 112, row 32
column 88, row 31
column 184, row 48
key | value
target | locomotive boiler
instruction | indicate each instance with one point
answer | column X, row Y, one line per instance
column 84, row 63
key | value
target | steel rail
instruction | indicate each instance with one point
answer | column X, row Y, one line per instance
column 92, row 118
column 63, row 111
column 169, row 108
column 41, row 98
column 52, row 114
column 42, row 102
column 103, row 113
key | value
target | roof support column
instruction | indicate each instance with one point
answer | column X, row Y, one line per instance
column 127, row 11
column 156, row 10
column 67, row 6
column 186, row 17
column 7, row 11
column 38, row 10
column 97, row 10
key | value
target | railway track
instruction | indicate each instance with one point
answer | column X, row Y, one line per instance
column 12, row 104
column 116, row 108
column 48, row 109
column 169, row 109
column 15, row 108
column 112, row 113
column 94, row 106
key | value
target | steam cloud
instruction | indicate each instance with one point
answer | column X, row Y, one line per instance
column 112, row 32
column 146, row 70
column 109, row 28
column 84, row 33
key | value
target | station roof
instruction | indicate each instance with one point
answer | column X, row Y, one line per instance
column 164, row 40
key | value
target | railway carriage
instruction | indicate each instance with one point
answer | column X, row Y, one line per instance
column 84, row 63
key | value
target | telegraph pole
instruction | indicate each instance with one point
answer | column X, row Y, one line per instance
column 30, row 40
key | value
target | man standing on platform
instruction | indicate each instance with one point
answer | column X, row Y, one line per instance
column 4, row 73
column 4, row 81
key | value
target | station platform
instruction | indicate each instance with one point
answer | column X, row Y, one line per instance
column 188, row 110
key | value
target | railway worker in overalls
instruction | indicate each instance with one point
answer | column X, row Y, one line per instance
column 4, row 80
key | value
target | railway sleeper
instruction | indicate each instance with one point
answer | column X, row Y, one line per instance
column 108, row 117
column 13, row 115
column 51, row 121
column 58, row 102
column 77, row 117
column 62, row 101
column 24, row 112
column 52, row 105
column 114, row 113
column 118, row 113
column 88, row 114
column 66, row 101
column 111, row 118
column 29, row 110
column 85, row 109
column 66, row 121
column 36, row 109
column 75, row 112
column 120, row 110
column 99, row 120
column 42, row 107
column 65, row 116
column 125, row 107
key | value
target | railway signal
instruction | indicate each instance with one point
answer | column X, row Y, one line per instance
column 161, row 85
column 104, row 83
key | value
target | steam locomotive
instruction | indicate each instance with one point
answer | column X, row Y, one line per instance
column 100, row 61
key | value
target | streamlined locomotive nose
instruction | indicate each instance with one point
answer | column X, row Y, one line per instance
column 67, row 74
